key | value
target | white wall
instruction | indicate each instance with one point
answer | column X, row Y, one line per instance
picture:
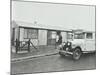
column 42, row 37
column 21, row 38
column 16, row 33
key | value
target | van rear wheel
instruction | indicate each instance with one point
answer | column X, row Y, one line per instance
column 77, row 54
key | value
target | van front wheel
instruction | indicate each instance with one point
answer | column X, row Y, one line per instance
column 77, row 54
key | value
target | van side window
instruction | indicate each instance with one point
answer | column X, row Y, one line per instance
column 89, row 36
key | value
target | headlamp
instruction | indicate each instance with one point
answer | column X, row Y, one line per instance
column 68, row 43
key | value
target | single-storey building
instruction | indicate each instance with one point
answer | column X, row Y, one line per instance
column 38, row 33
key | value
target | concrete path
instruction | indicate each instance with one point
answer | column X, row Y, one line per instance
column 42, row 51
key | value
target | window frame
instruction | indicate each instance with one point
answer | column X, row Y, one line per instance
column 81, row 34
column 71, row 35
column 27, row 34
column 91, row 37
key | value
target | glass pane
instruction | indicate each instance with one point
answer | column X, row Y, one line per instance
column 51, row 34
column 89, row 36
column 31, row 33
column 69, row 36
column 79, row 36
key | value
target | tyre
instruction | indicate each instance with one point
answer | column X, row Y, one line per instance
column 77, row 54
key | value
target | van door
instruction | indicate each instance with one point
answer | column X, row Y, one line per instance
column 90, row 42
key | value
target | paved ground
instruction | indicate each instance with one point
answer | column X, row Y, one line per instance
column 40, row 51
column 53, row 63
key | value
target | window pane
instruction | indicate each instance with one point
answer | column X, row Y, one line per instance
column 69, row 35
column 31, row 33
column 51, row 34
column 79, row 36
column 89, row 36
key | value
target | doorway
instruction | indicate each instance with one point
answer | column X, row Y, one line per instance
column 51, row 37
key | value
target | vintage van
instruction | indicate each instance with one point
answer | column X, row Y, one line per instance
column 79, row 42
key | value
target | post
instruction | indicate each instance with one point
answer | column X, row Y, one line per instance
column 16, row 45
column 29, row 45
column 55, row 44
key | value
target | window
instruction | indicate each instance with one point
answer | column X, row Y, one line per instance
column 79, row 36
column 51, row 35
column 31, row 33
column 69, row 35
column 89, row 35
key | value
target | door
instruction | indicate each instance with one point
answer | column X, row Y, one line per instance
column 51, row 37
column 90, row 42
column 42, row 37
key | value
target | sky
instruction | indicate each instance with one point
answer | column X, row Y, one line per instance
column 62, row 15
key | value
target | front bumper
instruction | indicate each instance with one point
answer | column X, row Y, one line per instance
column 65, row 52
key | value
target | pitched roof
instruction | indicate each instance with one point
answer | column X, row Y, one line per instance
column 40, row 26
column 43, row 26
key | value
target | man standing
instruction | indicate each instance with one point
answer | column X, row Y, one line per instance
column 58, row 39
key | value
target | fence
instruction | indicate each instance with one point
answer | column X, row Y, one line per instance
column 23, row 45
